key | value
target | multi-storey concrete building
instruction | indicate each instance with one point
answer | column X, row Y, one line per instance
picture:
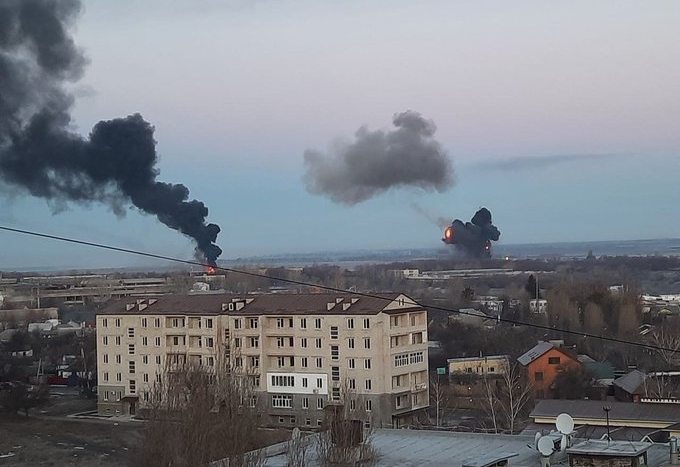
column 303, row 351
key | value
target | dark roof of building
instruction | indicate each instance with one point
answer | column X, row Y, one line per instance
column 631, row 382
column 534, row 353
column 264, row 304
column 620, row 411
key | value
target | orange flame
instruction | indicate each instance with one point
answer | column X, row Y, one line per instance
column 211, row 270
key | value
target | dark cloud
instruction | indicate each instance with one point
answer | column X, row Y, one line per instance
column 377, row 161
column 42, row 155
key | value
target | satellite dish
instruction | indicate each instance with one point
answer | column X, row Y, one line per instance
column 545, row 446
column 564, row 443
column 536, row 438
column 565, row 424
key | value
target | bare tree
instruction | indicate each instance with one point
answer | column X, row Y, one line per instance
column 199, row 416
column 347, row 439
column 515, row 394
column 297, row 450
column 438, row 397
column 490, row 402
column 667, row 341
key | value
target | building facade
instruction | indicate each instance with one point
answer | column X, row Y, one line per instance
column 543, row 363
column 303, row 351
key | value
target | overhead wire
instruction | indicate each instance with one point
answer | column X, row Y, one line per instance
column 588, row 335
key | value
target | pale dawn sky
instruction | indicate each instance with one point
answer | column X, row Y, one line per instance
column 560, row 117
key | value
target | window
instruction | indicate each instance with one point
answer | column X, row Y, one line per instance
column 305, row 402
column 335, row 353
column 254, row 362
column 350, row 343
column 319, row 383
column 145, row 359
column 210, row 342
column 538, row 376
column 133, row 386
column 158, row 359
column 281, row 341
column 131, row 332
column 369, row 405
column 319, row 362
column 292, row 361
column 157, row 323
column 106, row 376
column 352, row 383
column 308, row 421
column 254, row 342
column 145, row 340
column 491, row 369
column 414, row 319
column 350, row 323
column 119, row 377
column 303, row 342
column 131, row 367
column 553, row 360
column 158, row 342
column 105, row 323
column 177, row 322
column 117, row 340
column 238, row 362
column 317, row 343
column 280, row 362
column 118, row 359
column 105, row 340
column 210, row 361
column 367, row 323
column 252, row 323
column 351, row 364
column 304, row 382
column 319, row 403
column 131, row 349
column 105, row 358
column 416, row 357
column 117, row 322
column 145, row 323
column 304, row 362
column 394, row 321
column 303, row 323
column 335, row 394
column 237, row 342
column 367, row 342
column 335, row 373
column 401, row 402
column 279, row 322
column 334, row 332
column 209, row 323
column 282, row 420
column 283, row 381
column 317, row 323
column 282, row 401
column 238, row 323
column 368, row 385
column 417, row 338
column 367, row 364
column 352, row 404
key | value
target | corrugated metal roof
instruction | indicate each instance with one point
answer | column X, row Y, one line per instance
column 266, row 304
column 631, row 382
column 582, row 409
column 535, row 352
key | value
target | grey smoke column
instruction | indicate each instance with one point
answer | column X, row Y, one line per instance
column 379, row 160
column 41, row 154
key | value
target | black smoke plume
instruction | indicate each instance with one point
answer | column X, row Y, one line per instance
column 379, row 160
column 474, row 237
column 40, row 152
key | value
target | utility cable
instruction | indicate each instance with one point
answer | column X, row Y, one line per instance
column 326, row 287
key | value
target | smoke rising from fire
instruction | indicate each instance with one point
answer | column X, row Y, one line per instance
column 474, row 237
column 40, row 152
column 377, row 161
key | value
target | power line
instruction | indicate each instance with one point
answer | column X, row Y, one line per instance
column 324, row 287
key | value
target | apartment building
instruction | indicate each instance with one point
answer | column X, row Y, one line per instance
column 303, row 351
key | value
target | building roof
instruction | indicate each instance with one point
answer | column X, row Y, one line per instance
column 476, row 359
column 620, row 413
column 411, row 448
column 598, row 447
column 631, row 382
column 535, row 352
column 264, row 304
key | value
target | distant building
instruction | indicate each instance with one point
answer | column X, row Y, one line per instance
column 299, row 350
column 543, row 363
column 538, row 306
column 489, row 365
column 472, row 317
column 630, row 387
column 599, row 453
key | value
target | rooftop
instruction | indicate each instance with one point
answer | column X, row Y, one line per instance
column 534, row 353
column 614, row 448
column 265, row 304
column 621, row 413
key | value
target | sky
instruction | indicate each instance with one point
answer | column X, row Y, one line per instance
column 560, row 117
